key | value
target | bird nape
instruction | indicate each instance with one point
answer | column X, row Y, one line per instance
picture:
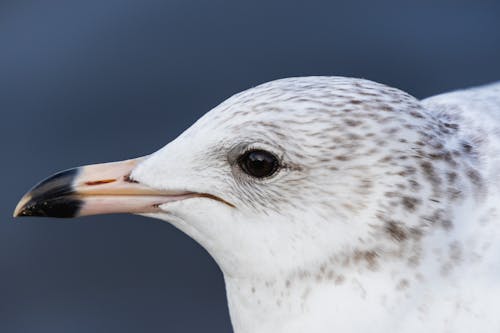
column 331, row 204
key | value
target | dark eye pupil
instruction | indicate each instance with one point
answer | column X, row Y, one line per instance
column 259, row 163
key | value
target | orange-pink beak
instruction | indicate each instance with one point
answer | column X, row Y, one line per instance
column 95, row 189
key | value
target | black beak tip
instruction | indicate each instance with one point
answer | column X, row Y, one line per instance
column 64, row 207
column 53, row 197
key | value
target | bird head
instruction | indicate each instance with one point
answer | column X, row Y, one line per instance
column 270, row 180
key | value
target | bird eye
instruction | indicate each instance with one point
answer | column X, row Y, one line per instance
column 258, row 163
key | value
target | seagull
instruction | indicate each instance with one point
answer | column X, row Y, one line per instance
column 331, row 204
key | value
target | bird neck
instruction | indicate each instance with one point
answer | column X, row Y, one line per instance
column 314, row 302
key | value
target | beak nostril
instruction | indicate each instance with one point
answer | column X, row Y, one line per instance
column 100, row 182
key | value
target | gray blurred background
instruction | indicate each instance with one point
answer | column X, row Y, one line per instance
column 101, row 80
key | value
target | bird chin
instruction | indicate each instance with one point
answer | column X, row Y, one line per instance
column 185, row 211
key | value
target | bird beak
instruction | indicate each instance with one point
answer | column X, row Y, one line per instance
column 94, row 189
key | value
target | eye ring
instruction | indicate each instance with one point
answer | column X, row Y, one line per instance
column 259, row 163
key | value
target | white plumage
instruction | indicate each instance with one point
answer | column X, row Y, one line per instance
column 385, row 225
column 382, row 215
